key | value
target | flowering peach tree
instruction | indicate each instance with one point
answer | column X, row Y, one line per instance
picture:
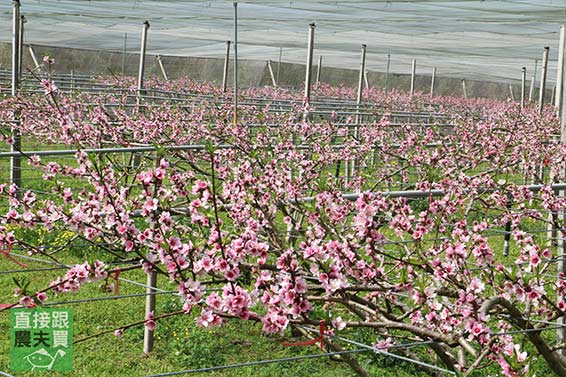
column 252, row 222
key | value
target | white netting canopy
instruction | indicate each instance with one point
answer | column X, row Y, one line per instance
column 469, row 39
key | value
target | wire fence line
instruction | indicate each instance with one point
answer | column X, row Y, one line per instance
column 162, row 291
column 496, row 234
column 110, row 298
column 551, row 260
column 149, row 148
column 63, row 265
column 72, row 83
column 386, row 353
column 260, row 362
column 32, row 270
column 274, row 106
column 364, row 347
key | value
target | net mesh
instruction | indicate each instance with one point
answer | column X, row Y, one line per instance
column 489, row 40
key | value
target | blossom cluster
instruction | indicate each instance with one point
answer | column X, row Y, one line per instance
column 252, row 222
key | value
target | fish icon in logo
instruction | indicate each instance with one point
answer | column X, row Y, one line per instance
column 41, row 359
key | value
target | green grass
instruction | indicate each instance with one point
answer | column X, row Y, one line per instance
column 179, row 343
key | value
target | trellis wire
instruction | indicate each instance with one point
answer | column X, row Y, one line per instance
column 558, row 326
column 69, row 266
column 30, row 270
column 106, row 298
column 523, row 331
column 385, row 353
column 261, row 362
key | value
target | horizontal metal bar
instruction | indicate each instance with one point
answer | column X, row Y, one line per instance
column 140, row 149
column 429, row 193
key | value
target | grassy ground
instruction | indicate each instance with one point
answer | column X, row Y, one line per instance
column 179, row 343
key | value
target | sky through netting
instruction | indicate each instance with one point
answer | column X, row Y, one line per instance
column 467, row 39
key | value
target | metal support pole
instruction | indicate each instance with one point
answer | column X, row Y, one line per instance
column 235, row 63
column 361, row 75
column 533, row 82
column 310, row 49
column 318, row 69
column 279, row 63
column 413, row 72
column 359, row 98
column 366, row 81
column 432, row 81
column 21, row 45
column 523, row 83
column 543, row 79
column 561, row 239
column 507, row 237
column 532, row 88
column 464, row 90
column 273, row 81
column 34, row 58
column 160, row 62
column 15, row 161
column 226, row 64
column 511, row 93
column 387, row 72
column 124, row 52
column 15, row 46
column 560, row 69
column 540, row 173
column 149, row 307
column 561, row 233
column 142, row 62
